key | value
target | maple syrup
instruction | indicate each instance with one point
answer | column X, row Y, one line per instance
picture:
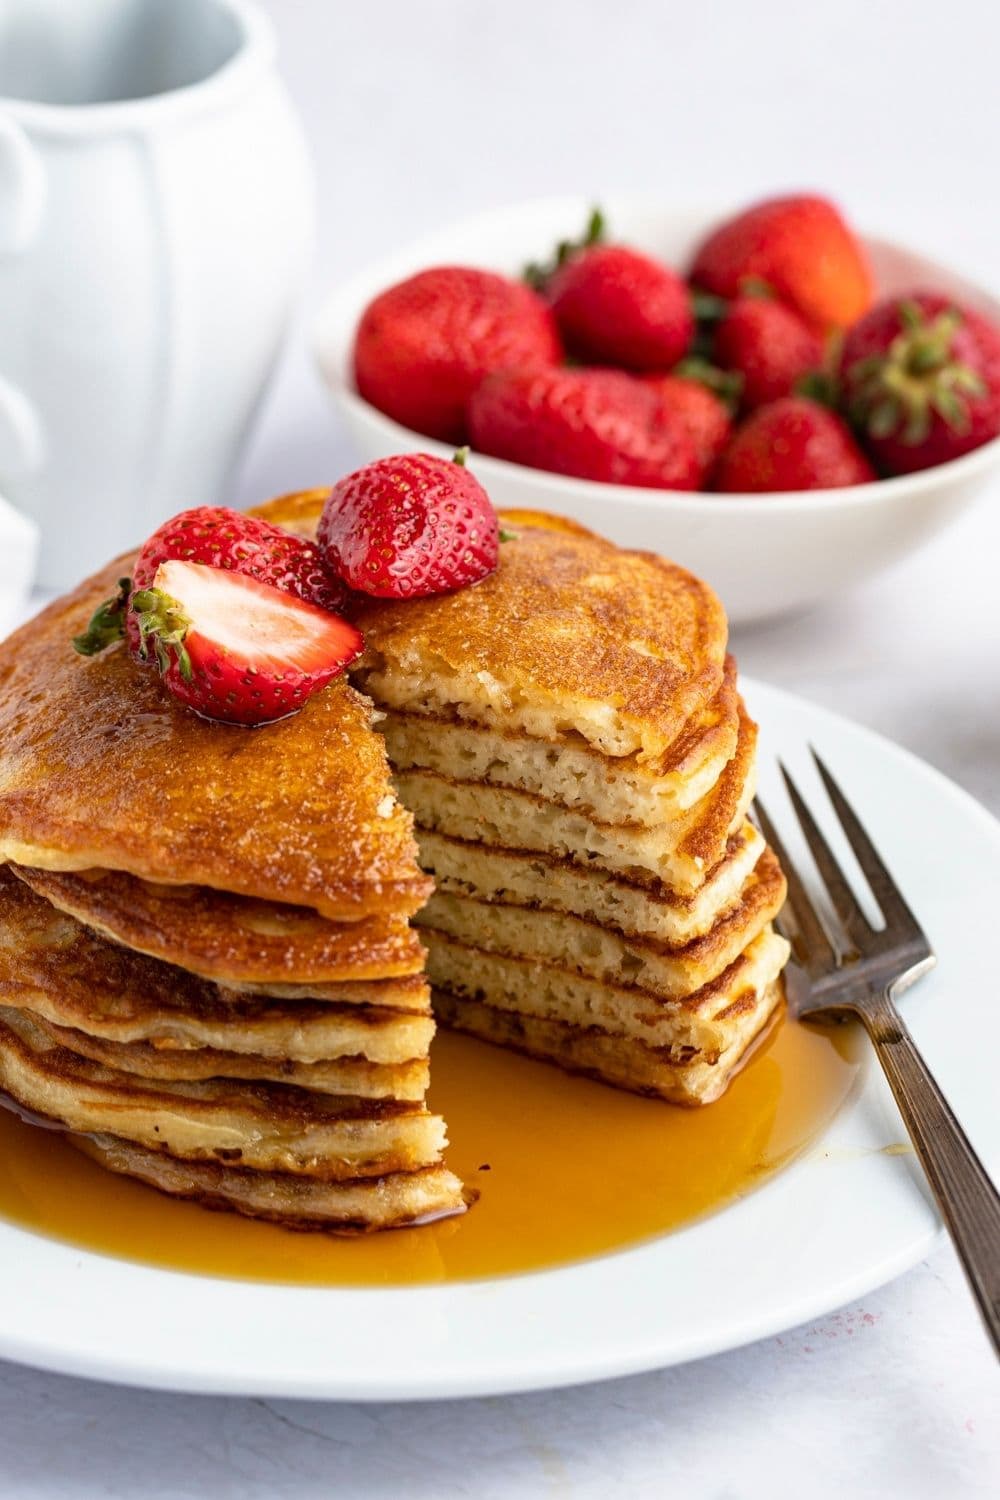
column 565, row 1169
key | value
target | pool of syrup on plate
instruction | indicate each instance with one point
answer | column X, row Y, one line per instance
column 565, row 1168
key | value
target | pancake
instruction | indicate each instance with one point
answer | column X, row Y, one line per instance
column 100, row 768
column 567, row 770
column 340, row 1075
column 600, row 952
column 515, row 878
column 620, row 1061
column 56, row 968
column 679, row 858
column 269, row 1127
column 389, row 1202
column 570, row 634
column 232, row 939
column 701, row 1021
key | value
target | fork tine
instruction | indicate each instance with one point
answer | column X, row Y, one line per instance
column 810, row 944
column 845, row 903
column 897, row 913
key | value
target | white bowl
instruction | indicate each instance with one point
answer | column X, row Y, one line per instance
column 765, row 555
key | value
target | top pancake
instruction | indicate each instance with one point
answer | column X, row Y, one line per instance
column 570, row 633
column 100, row 767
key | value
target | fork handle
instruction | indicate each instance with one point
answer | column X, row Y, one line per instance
column 969, row 1203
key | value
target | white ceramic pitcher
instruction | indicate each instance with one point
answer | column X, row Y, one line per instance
column 155, row 210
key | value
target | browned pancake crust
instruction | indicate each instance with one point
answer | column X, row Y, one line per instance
column 558, row 617
column 395, row 1201
column 43, row 946
column 101, row 768
column 229, row 938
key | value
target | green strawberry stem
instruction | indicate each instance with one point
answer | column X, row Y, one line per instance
column 461, row 456
column 538, row 273
column 726, row 384
column 162, row 621
column 916, row 379
column 107, row 623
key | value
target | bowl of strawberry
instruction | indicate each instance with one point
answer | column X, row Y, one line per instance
column 780, row 403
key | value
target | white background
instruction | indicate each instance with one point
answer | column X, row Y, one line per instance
column 420, row 112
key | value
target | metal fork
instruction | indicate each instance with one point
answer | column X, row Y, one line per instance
column 848, row 967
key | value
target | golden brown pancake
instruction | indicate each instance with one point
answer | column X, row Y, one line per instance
column 270, row 1127
column 600, row 952
column 548, row 882
column 231, row 939
column 678, row 856
column 566, row 770
column 53, row 966
column 702, row 1021
column 349, row 1074
column 101, row 769
column 621, row 1061
column 570, row 633
column 390, row 1202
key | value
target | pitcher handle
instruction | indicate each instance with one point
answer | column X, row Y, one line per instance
column 22, row 188
column 22, row 203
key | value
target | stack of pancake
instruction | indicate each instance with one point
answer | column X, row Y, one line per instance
column 570, row 738
column 207, row 973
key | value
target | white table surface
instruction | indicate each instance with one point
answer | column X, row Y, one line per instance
column 417, row 113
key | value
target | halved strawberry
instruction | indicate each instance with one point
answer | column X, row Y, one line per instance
column 235, row 649
column 221, row 538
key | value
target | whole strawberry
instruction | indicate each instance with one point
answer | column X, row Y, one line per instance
column 235, row 649
column 769, row 345
column 408, row 526
column 595, row 424
column 423, row 345
column 793, row 444
column 801, row 249
column 616, row 306
column 219, row 538
column 704, row 415
column 921, row 379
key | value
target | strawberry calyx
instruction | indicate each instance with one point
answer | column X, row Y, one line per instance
column 917, row 378
column 106, row 624
column 538, row 273
column 164, row 626
column 726, row 384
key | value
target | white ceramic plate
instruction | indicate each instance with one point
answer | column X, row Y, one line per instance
column 806, row 546
column 844, row 1218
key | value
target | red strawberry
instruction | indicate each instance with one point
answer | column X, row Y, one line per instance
column 595, row 424
column 235, row 649
column 801, row 248
column 424, row 345
column 704, row 416
column 615, row 306
column 404, row 527
column 219, row 538
column 921, row 378
column 793, row 444
column 770, row 346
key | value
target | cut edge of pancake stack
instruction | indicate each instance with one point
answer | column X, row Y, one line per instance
column 249, row 1053
column 602, row 900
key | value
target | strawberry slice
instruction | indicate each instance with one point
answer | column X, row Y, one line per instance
column 235, row 649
